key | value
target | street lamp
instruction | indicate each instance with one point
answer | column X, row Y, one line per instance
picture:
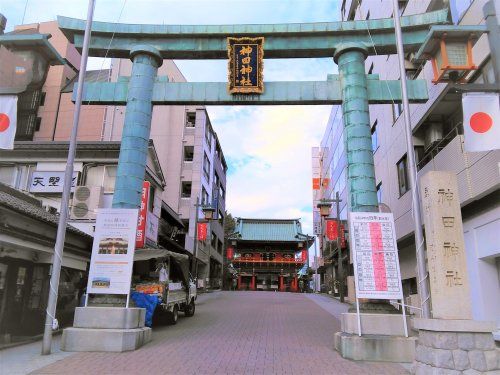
column 208, row 213
column 324, row 206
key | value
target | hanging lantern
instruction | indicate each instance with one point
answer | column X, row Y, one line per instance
column 450, row 50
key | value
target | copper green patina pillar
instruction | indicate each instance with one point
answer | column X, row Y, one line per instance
column 136, row 128
column 362, row 188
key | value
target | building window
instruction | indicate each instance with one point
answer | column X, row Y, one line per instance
column 42, row 98
column 190, row 119
column 204, row 196
column 213, row 241
column 38, row 122
column 188, row 153
column 206, row 167
column 379, row 192
column 221, row 218
column 220, row 247
column 208, row 136
column 374, row 136
column 222, row 192
column 186, row 189
column 458, row 9
column 402, row 166
column 102, row 175
column 151, row 198
column 397, row 109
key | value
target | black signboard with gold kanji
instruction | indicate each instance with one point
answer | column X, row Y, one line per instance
column 245, row 65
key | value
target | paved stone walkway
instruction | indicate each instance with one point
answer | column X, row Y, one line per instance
column 235, row 333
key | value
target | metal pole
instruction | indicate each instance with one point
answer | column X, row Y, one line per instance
column 316, row 289
column 491, row 21
column 339, row 249
column 195, row 246
column 68, row 179
column 423, row 289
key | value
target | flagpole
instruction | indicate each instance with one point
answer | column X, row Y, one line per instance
column 422, row 286
column 68, row 177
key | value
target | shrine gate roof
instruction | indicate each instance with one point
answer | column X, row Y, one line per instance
column 269, row 230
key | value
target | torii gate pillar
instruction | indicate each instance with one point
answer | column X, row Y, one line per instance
column 362, row 187
column 137, row 127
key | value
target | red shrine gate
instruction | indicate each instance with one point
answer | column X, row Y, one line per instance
column 269, row 254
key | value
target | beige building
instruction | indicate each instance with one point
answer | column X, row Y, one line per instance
column 438, row 138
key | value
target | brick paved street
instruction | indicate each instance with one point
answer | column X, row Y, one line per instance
column 235, row 333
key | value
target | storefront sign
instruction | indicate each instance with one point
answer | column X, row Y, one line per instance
column 141, row 220
column 245, row 65
column 202, row 231
column 375, row 255
column 113, row 251
column 332, row 231
column 152, row 227
column 50, row 182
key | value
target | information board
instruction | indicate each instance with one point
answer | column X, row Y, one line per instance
column 375, row 255
column 113, row 251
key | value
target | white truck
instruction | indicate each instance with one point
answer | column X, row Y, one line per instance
column 175, row 289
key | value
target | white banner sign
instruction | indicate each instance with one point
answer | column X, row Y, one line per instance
column 8, row 121
column 481, row 121
column 375, row 255
column 50, row 182
column 113, row 251
column 152, row 227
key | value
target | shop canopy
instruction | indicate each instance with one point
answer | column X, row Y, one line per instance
column 180, row 259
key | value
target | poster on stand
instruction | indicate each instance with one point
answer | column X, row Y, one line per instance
column 113, row 251
column 375, row 255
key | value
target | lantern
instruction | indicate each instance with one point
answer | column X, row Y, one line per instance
column 208, row 211
column 324, row 208
column 450, row 50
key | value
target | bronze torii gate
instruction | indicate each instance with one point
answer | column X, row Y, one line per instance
column 347, row 42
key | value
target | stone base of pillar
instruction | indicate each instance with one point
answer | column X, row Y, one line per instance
column 381, row 348
column 383, row 338
column 106, row 329
column 455, row 346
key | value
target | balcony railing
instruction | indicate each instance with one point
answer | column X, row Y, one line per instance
column 437, row 147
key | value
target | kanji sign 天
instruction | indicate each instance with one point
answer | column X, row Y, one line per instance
column 375, row 255
column 245, row 65
column 50, row 181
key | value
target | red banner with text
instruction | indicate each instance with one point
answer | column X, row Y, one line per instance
column 202, row 231
column 140, row 238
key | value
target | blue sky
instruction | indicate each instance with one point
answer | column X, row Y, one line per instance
column 268, row 148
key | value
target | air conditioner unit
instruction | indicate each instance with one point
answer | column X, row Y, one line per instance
column 85, row 200
column 433, row 134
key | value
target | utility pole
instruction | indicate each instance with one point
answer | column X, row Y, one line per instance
column 195, row 245
column 68, row 179
column 339, row 249
column 423, row 288
column 316, row 289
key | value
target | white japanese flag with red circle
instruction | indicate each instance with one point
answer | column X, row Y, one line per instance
column 481, row 121
column 8, row 119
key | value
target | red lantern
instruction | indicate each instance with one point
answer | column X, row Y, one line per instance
column 230, row 253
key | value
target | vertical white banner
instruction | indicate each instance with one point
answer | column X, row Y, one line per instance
column 113, row 251
column 8, row 121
